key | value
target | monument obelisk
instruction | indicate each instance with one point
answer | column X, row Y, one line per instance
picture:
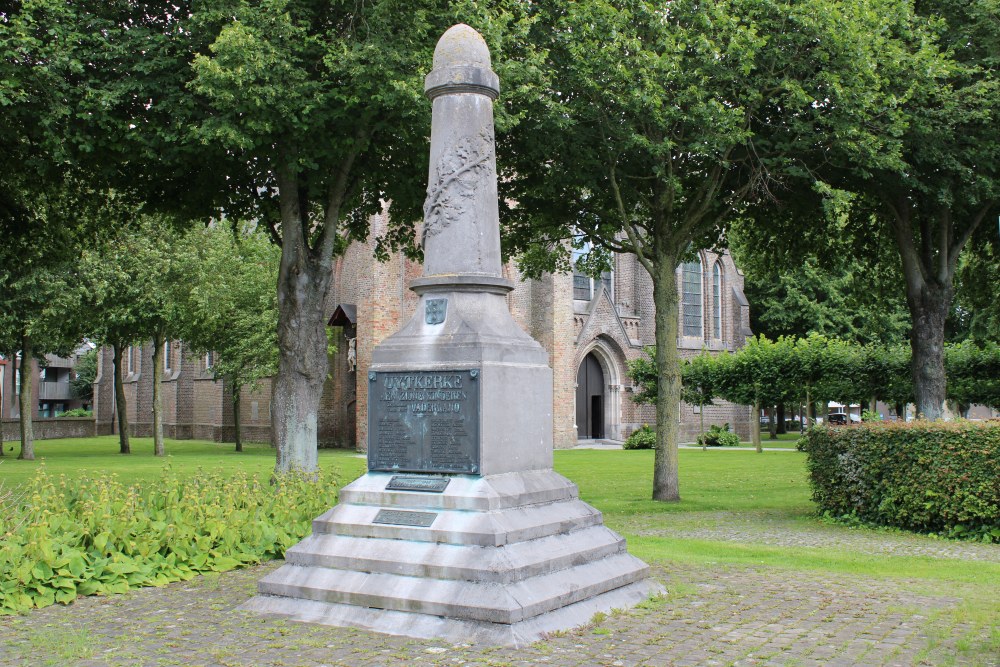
column 461, row 529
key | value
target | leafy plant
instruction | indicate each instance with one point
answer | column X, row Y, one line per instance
column 63, row 538
column 643, row 438
column 85, row 372
column 719, row 436
column 78, row 412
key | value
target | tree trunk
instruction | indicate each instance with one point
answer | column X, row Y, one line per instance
column 701, row 426
column 303, row 282
column 121, row 406
column 237, row 390
column 158, row 343
column 810, row 408
column 772, row 423
column 929, row 309
column 755, row 426
column 27, row 432
column 782, row 427
column 668, row 381
column 4, row 399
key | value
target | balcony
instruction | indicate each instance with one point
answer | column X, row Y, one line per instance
column 54, row 391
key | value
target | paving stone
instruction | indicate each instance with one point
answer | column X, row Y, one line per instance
column 851, row 621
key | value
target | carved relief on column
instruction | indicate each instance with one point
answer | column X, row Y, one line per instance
column 462, row 168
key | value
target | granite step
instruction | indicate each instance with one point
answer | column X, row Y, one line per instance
column 476, row 601
column 494, row 528
column 504, row 565
column 462, row 492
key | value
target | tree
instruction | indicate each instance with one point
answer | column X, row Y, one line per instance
column 38, row 283
column 227, row 305
column 760, row 373
column 85, row 372
column 926, row 172
column 661, row 122
column 128, row 278
column 973, row 374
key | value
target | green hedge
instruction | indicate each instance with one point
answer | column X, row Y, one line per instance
column 62, row 539
column 938, row 477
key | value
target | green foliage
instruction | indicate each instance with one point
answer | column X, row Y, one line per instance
column 226, row 302
column 128, row 278
column 719, row 436
column 65, row 538
column 870, row 416
column 931, row 477
column 847, row 300
column 973, row 373
column 78, row 412
column 84, row 374
column 642, row 438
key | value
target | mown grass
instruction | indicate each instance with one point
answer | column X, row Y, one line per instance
column 78, row 457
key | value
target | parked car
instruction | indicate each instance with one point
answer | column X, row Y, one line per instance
column 842, row 419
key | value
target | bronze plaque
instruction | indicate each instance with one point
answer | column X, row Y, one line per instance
column 426, row 484
column 424, row 421
column 405, row 518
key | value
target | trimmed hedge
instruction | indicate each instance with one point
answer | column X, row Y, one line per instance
column 62, row 539
column 934, row 477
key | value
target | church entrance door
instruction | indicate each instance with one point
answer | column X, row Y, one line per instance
column 590, row 399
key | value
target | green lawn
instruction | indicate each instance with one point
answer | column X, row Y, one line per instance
column 77, row 457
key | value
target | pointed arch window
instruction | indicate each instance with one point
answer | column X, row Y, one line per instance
column 584, row 287
column 691, row 304
column 717, row 300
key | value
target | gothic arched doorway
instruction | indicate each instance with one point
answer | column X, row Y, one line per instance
column 590, row 399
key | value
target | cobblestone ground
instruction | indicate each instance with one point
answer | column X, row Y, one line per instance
column 722, row 615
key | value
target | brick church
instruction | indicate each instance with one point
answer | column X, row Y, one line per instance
column 590, row 328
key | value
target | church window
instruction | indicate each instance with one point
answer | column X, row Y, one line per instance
column 584, row 287
column 717, row 300
column 691, row 298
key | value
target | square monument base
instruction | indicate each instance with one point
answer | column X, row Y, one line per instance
column 502, row 559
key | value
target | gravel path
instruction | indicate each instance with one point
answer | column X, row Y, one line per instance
column 763, row 528
column 710, row 616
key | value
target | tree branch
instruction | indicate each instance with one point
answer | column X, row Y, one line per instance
column 959, row 241
column 340, row 186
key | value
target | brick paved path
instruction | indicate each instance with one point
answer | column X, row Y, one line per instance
column 713, row 615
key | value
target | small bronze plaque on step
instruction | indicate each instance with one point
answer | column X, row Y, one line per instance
column 426, row 484
column 405, row 518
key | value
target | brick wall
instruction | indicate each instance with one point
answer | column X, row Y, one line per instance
column 48, row 429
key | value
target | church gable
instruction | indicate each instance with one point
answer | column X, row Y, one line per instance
column 602, row 319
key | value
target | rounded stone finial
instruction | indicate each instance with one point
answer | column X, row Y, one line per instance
column 462, row 65
column 461, row 46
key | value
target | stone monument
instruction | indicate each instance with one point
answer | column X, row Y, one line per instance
column 460, row 530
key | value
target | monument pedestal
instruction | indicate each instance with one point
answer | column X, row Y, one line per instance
column 506, row 559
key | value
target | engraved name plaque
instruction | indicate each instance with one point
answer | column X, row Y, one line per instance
column 405, row 518
column 424, row 421
column 427, row 484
